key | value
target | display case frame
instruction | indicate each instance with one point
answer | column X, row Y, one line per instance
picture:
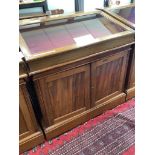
column 121, row 19
column 83, row 62
column 30, row 134
column 118, row 39
column 40, row 3
column 130, row 78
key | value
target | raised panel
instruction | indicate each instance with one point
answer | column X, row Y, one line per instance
column 22, row 123
column 64, row 94
column 108, row 77
column 29, row 132
column 27, row 124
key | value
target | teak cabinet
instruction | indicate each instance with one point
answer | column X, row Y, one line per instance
column 29, row 132
column 73, row 96
column 80, row 72
column 126, row 15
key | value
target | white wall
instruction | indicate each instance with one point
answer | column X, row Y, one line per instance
column 67, row 5
column 122, row 2
column 90, row 5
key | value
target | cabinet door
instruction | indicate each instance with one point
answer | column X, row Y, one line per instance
column 108, row 77
column 27, row 123
column 64, row 95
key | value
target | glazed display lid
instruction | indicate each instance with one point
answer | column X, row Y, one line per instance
column 51, row 35
column 125, row 14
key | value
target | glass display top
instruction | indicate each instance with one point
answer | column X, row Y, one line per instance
column 128, row 13
column 64, row 32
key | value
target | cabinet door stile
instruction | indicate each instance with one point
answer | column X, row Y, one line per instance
column 27, row 120
column 46, row 101
column 38, row 87
column 123, row 72
column 93, row 84
column 87, row 86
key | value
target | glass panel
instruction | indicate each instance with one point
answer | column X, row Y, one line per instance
column 127, row 13
column 60, row 33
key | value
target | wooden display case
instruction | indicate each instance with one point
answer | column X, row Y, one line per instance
column 29, row 132
column 33, row 4
column 78, row 63
column 126, row 15
column 53, row 39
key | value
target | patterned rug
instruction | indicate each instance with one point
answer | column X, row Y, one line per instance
column 112, row 133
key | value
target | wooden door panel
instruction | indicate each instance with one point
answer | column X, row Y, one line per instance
column 111, row 70
column 27, row 124
column 29, row 131
column 64, row 94
column 22, row 124
column 108, row 77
